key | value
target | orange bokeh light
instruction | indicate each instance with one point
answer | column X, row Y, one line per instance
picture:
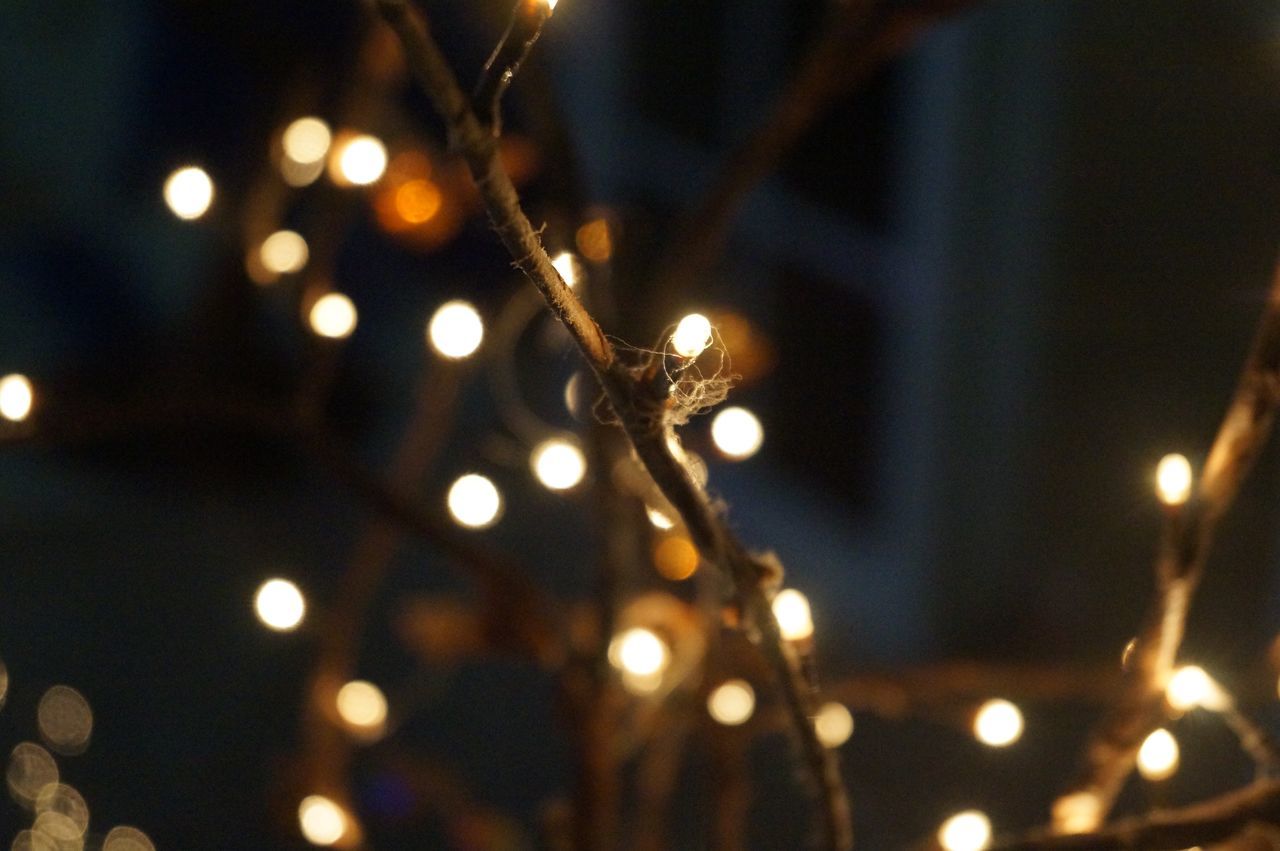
column 675, row 557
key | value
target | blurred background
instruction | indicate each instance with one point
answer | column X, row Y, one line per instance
column 979, row 297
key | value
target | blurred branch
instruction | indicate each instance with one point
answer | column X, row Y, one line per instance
column 513, row 48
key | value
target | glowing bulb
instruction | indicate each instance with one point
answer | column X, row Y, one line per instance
column 125, row 838
column 737, row 433
column 692, row 335
column 567, row 265
column 791, row 608
column 306, row 140
column 455, row 330
column 16, row 397
column 551, row 5
column 1173, row 479
column 1158, row 756
column 558, row 464
column 322, row 821
column 833, row 724
column 333, row 316
column 966, row 831
column 1190, row 687
column 474, row 501
column 362, row 160
column 732, row 702
column 280, row 605
column 363, row 706
column 660, row 520
column 284, row 252
column 675, row 557
column 189, row 192
column 998, row 723
column 639, row 651
column 1079, row 812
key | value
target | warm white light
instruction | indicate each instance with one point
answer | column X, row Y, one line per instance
column 732, row 702
column 284, row 252
column 333, row 316
column 362, row 160
column 568, row 267
column 16, row 397
column 737, row 433
column 362, row 705
column 1173, row 479
column 306, row 140
column 833, row 724
column 455, row 330
column 558, row 464
column 1158, row 756
column 322, row 821
column 1079, row 812
column 1190, row 687
column 998, row 723
column 966, row 831
column 474, row 501
column 639, row 651
column 660, row 520
column 189, row 192
column 692, row 335
column 791, row 608
column 551, row 4
column 280, row 605
column 125, row 838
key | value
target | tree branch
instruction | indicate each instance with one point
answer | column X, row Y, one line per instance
column 523, row 30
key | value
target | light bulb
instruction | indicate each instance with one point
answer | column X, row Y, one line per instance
column 737, row 433
column 732, row 702
column 474, row 501
column 189, row 192
column 362, row 160
column 568, row 267
column 322, row 821
column 998, row 723
column 16, row 397
column 284, row 252
column 558, row 464
column 280, row 605
column 791, row 608
column 660, row 520
column 333, row 316
column 639, row 651
column 1173, row 479
column 363, row 706
column 1079, row 812
column 966, row 831
column 1190, row 687
column 1158, row 756
column 833, row 724
column 306, row 140
column 692, row 335
column 455, row 330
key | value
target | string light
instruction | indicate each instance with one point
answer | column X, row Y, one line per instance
column 551, row 5
column 333, row 316
column 306, row 140
column 125, row 838
column 639, row 651
column 998, row 723
column 1079, row 812
column 1173, row 479
column 737, row 433
column 455, row 330
column 1190, row 687
column 363, row 707
column 1158, row 757
column 833, row 724
column 675, row 557
column 965, row 831
column 791, row 609
column 280, row 605
column 732, row 702
column 361, row 160
column 322, row 821
column 31, row 768
column 568, row 267
column 65, row 720
column 16, row 397
column 659, row 519
column 284, row 252
column 692, row 335
column 189, row 192
column 61, row 813
column 474, row 501
column 594, row 240
column 558, row 464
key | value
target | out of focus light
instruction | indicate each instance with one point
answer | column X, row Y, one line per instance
column 284, row 252
column 732, row 702
column 333, row 316
column 966, row 831
column 16, row 397
column 639, row 651
column 1158, row 756
column 998, row 723
column 692, row 335
column 568, row 267
column 189, row 192
column 306, row 140
column 551, row 4
column 418, row 201
column 474, row 501
column 322, row 821
column 280, row 605
column 595, row 241
column 558, row 464
column 659, row 519
column 675, row 557
column 65, row 720
column 1190, row 687
column 737, row 433
column 1079, row 812
column 67, row 813
column 298, row 174
column 125, row 838
column 791, row 609
column 4, row 683
column 363, row 706
column 30, row 769
column 833, row 724
column 1173, row 479
column 455, row 330
column 361, row 160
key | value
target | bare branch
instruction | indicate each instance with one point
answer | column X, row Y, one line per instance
column 513, row 48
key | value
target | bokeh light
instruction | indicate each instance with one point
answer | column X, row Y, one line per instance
column 558, row 463
column 359, row 160
column 126, row 838
column 322, row 821
column 791, row 609
column 833, row 724
column 732, row 702
column 568, row 267
column 363, row 707
column 65, row 720
column 66, row 811
column 284, row 252
column 1158, row 757
column 306, row 141
column 692, row 335
column 30, row 769
column 280, row 605
column 737, row 433
column 675, row 557
column 594, row 240
column 474, row 501
column 17, row 397
column 4, row 683
column 998, row 723
column 660, row 519
column 1078, row 812
column 1190, row 686
column 189, row 192
column 333, row 316
column 455, row 330
column 1173, row 479
column 417, row 201
column 639, row 651
column 966, row 831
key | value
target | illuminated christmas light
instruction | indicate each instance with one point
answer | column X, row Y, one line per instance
column 284, row 252
column 31, row 768
column 791, row 609
column 1173, row 479
column 361, row 160
column 594, row 240
column 833, row 724
column 558, row 464
column 363, row 706
column 455, row 330
column 568, row 267
column 1190, row 687
column 737, row 433
column 474, row 501
column 639, row 651
column 333, row 316
column 1079, row 812
column 732, row 702
column 322, row 821
column 16, row 397
column 675, row 557
column 1158, row 757
column 125, row 838
column 189, row 192
column 659, row 519
column 551, row 5
column 65, row 720
column 306, row 140
column 692, row 335
column 998, row 723
column 417, row 201
column 280, row 605
column 966, row 831
column 61, row 814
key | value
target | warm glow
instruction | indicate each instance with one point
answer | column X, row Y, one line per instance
column 966, row 831
column 639, row 651
column 474, row 501
column 125, row 838
column 659, row 519
column 306, row 141
column 333, row 316
column 594, row 240
column 300, row 174
column 418, row 201
column 1190, row 687
column 284, row 252
column 61, row 814
column 675, row 557
column 737, row 433
column 31, row 768
column 455, row 330
column 692, row 335
column 16, row 397
column 322, row 821
column 363, row 706
column 189, row 192
column 568, row 267
column 1158, row 756
column 551, row 5
column 833, row 724
column 65, row 720
column 732, row 702
column 998, row 723
column 362, row 160
column 791, row 608
column 1079, row 812
column 1173, row 479
column 280, row 605
column 558, row 464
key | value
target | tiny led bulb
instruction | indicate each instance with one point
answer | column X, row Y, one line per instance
column 189, row 192
column 321, row 820
column 333, row 316
column 558, row 464
column 1079, row 812
column 737, row 433
column 833, row 724
column 455, row 330
column 284, row 252
column 474, row 501
column 306, row 140
column 1173, row 479
column 1158, row 756
column 791, row 608
column 966, row 831
column 363, row 706
column 998, row 723
column 280, row 605
column 567, row 265
column 16, row 397
column 1190, row 687
column 362, row 160
column 732, row 702
column 692, row 335
column 639, row 651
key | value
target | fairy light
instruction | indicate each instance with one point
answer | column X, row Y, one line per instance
column 639, row 651
column 1079, row 812
column 306, row 141
column 333, row 316
column 189, row 192
column 1190, row 686
column 61, row 814
column 551, row 5
column 692, row 335
column 659, row 519
column 280, row 605
column 737, row 433
column 675, row 557
column 455, row 330
column 965, row 831
column 998, row 723
column 474, row 501
column 361, row 160
column 1158, row 757
column 1173, row 479
column 558, row 463
column 363, row 707
column 833, row 724
column 126, row 838
column 568, row 267
column 732, row 702
column 284, row 252
column 16, row 397
column 791, row 609
column 30, row 769
column 322, row 821
column 65, row 720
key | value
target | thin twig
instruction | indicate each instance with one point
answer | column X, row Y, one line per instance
column 513, row 48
